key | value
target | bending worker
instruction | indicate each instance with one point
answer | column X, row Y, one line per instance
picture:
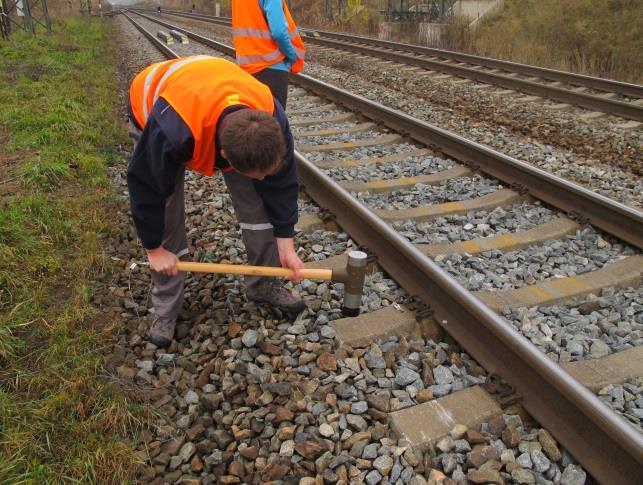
column 207, row 114
column 267, row 43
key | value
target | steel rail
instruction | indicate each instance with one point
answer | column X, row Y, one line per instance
column 613, row 217
column 193, row 35
column 224, row 21
column 605, row 444
column 608, row 447
column 601, row 84
column 620, row 108
column 165, row 50
column 590, row 101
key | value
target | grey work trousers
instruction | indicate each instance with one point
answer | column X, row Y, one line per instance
column 256, row 231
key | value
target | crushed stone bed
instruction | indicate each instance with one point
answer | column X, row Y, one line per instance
column 591, row 329
column 457, row 189
column 475, row 224
column 626, row 400
column 412, row 167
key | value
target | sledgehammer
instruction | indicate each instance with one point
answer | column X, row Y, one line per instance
column 352, row 276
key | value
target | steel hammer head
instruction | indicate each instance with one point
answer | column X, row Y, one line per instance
column 353, row 279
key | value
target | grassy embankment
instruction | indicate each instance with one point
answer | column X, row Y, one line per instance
column 588, row 36
column 58, row 132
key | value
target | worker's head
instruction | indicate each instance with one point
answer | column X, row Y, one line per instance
column 253, row 142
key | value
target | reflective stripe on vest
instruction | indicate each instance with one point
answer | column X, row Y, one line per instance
column 152, row 75
column 264, row 34
column 242, row 32
column 272, row 56
column 255, row 48
column 146, row 90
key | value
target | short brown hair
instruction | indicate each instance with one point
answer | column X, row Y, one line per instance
column 252, row 140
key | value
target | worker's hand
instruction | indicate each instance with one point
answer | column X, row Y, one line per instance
column 162, row 261
column 288, row 257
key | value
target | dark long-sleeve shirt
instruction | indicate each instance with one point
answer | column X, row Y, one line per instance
column 166, row 144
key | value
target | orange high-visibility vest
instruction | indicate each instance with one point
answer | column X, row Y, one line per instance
column 255, row 48
column 199, row 88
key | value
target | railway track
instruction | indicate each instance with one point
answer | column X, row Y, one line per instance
column 561, row 403
column 596, row 94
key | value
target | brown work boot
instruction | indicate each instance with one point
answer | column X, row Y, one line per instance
column 162, row 331
column 271, row 291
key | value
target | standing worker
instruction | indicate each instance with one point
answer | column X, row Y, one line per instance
column 267, row 43
column 207, row 114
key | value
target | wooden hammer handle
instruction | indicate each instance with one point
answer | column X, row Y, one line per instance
column 242, row 269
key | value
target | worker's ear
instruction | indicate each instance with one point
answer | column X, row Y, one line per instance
column 223, row 154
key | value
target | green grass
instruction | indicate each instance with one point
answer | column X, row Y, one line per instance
column 59, row 130
column 597, row 37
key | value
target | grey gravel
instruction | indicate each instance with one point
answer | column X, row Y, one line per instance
column 573, row 475
column 421, row 195
column 626, row 400
column 602, row 164
column 359, row 154
column 249, row 338
column 519, row 217
column 325, row 113
column 442, row 375
column 260, row 384
column 412, row 167
column 405, row 376
column 348, row 137
column 373, row 477
column 191, row 397
column 599, row 325
column 495, row 270
column 359, row 407
column 297, row 130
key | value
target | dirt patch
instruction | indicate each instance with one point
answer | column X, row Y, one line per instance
column 9, row 180
column 344, row 65
column 4, row 139
column 36, row 335
column 31, row 70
